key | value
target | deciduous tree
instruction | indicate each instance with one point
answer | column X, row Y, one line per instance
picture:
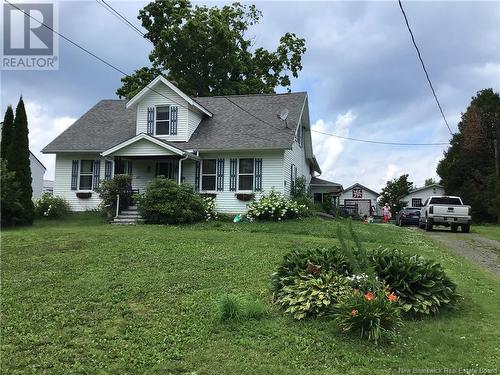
column 205, row 51
column 394, row 190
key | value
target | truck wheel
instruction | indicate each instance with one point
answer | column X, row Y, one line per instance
column 454, row 227
column 466, row 228
column 421, row 225
column 428, row 225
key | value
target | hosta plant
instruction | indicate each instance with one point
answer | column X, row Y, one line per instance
column 421, row 285
column 274, row 206
column 372, row 315
column 312, row 295
column 298, row 261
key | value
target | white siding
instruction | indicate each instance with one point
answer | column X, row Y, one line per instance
column 295, row 156
column 37, row 172
column 62, row 184
column 272, row 177
column 142, row 147
column 194, row 119
column 187, row 119
column 423, row 194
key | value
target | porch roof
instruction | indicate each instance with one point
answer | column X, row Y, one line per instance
column 146, row 145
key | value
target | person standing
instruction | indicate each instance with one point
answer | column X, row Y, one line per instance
column 387, row 213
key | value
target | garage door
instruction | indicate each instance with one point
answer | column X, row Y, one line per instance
column 364, row 205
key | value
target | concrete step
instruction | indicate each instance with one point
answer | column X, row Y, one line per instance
column 131, row 220
column 132, row 207
column 129, row 212
column 129, row 216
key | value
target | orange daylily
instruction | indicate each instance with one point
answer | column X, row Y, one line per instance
column 392, row 297
column 369, row 296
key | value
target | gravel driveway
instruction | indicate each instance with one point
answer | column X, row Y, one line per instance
column 480, row 250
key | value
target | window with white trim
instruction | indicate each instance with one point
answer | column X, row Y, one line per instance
column 208, row 174
column 162, row 123
column 416, row 202
column 86, row 174
column 246, row 174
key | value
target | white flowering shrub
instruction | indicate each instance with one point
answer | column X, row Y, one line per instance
column 51, row 207
column 210, row 213
column 274, row 206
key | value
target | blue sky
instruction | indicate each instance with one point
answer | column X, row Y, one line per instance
column 360, row 70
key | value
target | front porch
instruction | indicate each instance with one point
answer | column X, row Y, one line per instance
column 144, row 157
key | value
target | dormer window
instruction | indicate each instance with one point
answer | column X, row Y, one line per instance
column 162, row 124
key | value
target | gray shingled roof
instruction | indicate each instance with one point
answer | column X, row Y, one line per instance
column 109, row 123
column 319, row 181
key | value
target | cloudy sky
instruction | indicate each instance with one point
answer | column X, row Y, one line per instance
column 360, row 70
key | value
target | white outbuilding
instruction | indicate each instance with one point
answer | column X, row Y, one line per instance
column 360, row 199
column 418, row 196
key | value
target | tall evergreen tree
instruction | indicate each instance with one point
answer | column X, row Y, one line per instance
column 8, row 123
column 18, row 157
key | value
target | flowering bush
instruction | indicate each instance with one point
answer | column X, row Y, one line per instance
column 274, row 206
column 372, row 315
column 51, row 207
column 312, row 295
column 210, row 213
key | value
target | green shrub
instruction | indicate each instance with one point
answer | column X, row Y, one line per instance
column 312, row 295
column 254, row 309
column 108, row 190
column 166, row 202
column 296, row 262
column 422, row 285
column 51, row 207
column 12, row 211
column 371, row 315
column 274, row 206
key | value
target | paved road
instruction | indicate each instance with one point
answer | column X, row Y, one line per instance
column 477, row 249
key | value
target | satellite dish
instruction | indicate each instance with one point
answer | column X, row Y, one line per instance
column 283, row 114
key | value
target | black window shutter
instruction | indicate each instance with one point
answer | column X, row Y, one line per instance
column 129, row 168
column 150, row 120
column 97, row 173
column 173, row 119
column 108, row 165
column 258, row 174
column 292, row 179
column 197, row 177
column 233, row 166
column 74, row 174
column 220, row 174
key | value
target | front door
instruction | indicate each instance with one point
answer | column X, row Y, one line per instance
column 165, row 168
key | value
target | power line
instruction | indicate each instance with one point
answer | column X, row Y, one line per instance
column 118, row 15
column 423, row 67
column 380, row 142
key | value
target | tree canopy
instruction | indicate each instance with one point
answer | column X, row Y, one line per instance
column 394, row 190
column 205, row 51
column 469, row 167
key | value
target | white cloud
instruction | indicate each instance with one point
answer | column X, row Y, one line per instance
column 326, row 148
column 43, row 128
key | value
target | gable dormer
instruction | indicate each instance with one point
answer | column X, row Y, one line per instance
column 165, row 112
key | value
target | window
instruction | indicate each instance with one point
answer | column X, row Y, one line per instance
column 208, row 174
column 246, row 174
column 318, row 198
column 416, row 202
column 86, row 168
column 163, row 120
column 120, row 167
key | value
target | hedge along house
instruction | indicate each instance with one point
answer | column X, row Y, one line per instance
column 418, row 196
column 232, row 148
column 359, row 199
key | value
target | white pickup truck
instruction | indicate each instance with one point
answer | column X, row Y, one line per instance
column 447, row 211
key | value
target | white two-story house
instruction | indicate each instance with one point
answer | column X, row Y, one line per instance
column 230, row 147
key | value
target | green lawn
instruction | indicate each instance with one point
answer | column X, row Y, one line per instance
column 489, row 231
column 81, row 296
